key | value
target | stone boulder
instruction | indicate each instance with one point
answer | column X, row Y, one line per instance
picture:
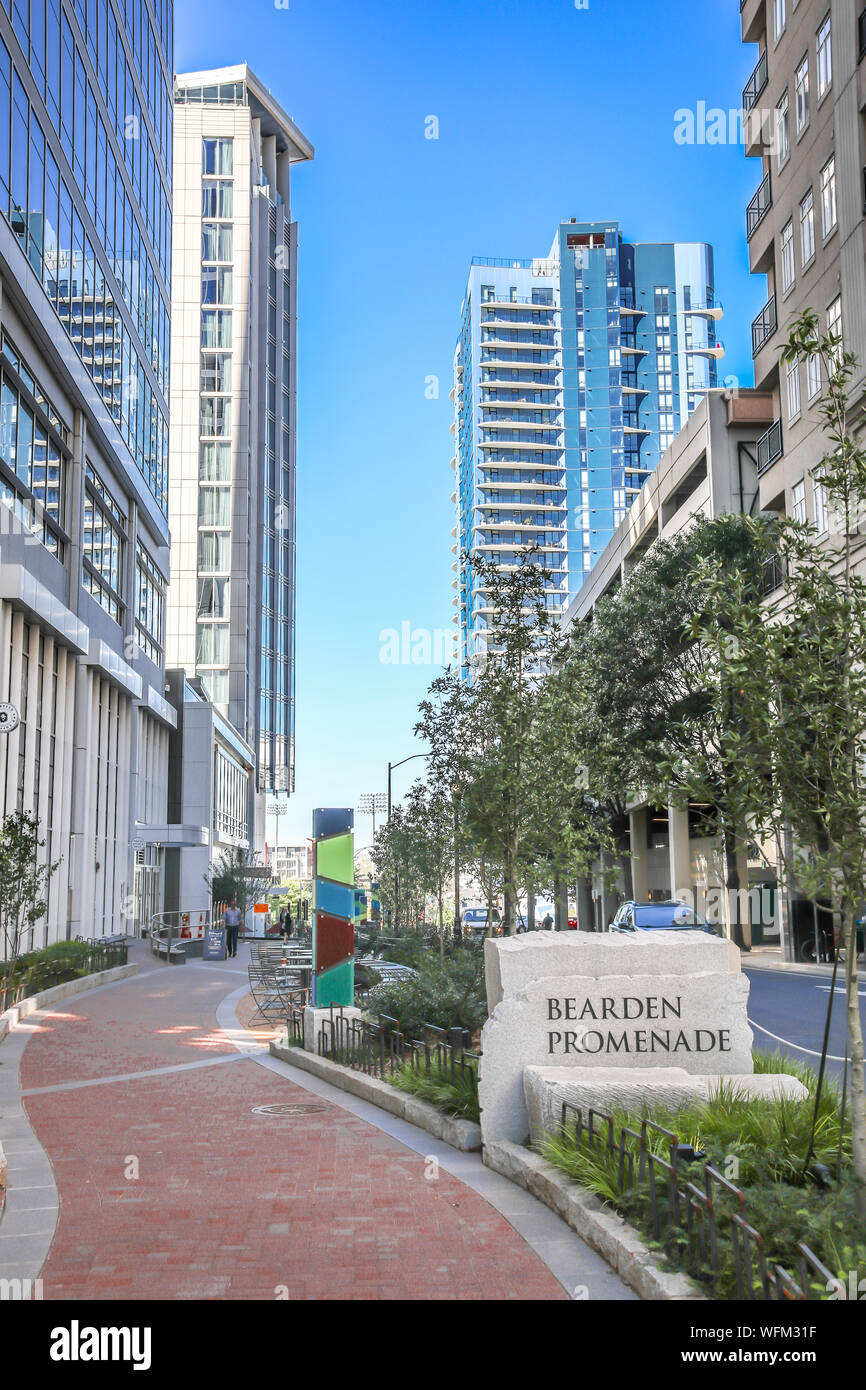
column 511, row 962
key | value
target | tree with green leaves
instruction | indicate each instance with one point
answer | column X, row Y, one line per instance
column 235, row 874
column 650, row 703
column 797, row 737
column 24, row 880
column 503, row 779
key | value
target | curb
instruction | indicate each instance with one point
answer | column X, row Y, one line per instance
column 12, row 1016
column 2, row 1179
column 601, row 1229
column 787, row 967
column 463, row 1135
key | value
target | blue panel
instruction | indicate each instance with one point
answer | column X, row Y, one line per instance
column 332, row 820
column 331, row 897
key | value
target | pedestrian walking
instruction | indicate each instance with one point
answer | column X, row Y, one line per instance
column 232, row 922
column 286, row 924
column 547, row 924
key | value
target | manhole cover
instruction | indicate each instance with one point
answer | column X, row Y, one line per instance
column 288, row 1109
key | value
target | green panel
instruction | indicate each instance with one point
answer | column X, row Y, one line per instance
column 335, row 858
column 336, row 986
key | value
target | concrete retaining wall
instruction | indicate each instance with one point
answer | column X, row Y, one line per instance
column 601, row 1228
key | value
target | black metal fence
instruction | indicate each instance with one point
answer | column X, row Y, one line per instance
column 21, row 981
column 693, row 1220
column 379, row 1048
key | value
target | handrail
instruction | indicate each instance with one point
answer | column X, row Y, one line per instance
column 177, row 924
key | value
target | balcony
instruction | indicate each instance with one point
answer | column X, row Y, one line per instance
column 758, row 207
column 753, row 20
column 773, row 575
column 769, row 447
column 764, row 326
column 756, row 83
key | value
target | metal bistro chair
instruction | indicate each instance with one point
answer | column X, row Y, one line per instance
column 268, row 994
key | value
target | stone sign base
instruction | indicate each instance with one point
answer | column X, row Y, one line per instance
column 314, row 1018
column 643, row 1091
column 636, row 1022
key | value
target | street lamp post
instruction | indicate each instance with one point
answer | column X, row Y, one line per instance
column 391, row 767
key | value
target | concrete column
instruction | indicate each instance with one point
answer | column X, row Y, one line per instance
column 84, row 770
column 64, row 718
column 640, row 853
column 680, row 852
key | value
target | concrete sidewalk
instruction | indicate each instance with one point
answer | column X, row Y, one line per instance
column 770, row 958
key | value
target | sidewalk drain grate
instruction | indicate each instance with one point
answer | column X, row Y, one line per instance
column 289, row 1109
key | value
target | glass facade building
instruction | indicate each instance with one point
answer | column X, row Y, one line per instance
column 85, row 260
column 232, row 598
column 573, row 373
column 85, row 185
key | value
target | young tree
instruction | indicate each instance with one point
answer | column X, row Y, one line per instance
column 235, row 874
column 796, row 667
column 431, row 825
column 504, row 788
column 23, row 882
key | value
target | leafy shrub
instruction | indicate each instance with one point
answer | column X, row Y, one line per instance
column 366, row 977
column 446, row 994
column 768, row 1141
column 455, row 1095
column 48, row 955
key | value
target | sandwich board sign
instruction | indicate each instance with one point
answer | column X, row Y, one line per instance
column 214, row 943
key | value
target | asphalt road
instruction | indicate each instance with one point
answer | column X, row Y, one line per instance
column 793, row 1008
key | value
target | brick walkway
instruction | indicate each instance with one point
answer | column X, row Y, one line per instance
column 228, row 1204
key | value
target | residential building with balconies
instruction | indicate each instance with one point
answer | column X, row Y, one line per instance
column 573, row 373
column 710, row 470
column 804, row 112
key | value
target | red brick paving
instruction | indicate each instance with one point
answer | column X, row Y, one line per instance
column 234, row 1205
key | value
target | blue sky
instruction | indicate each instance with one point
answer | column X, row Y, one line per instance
column 545, row 112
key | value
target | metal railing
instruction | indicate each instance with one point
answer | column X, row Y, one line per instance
column 768, row 448
column 759, row 207
column 379, row 1048
column 693, row 1220
column 764, row 325
column 183, row 924
column 772, row 575
column 20, row 981
column 756, row 83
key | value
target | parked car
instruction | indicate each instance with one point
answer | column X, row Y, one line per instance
column 479, row 921
column 661, row 916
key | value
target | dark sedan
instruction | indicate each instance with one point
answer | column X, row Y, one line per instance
column 666, row 916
